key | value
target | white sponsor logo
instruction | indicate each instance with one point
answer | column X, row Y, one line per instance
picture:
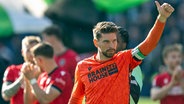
column 62, row 73
column 60, row 80
column 166, row 81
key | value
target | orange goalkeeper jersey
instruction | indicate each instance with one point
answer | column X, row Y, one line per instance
column 104, row 82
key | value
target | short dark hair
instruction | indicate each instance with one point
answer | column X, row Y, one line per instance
column 54, row 30
column 43, row 49
column 124, row 35
column 104, row 27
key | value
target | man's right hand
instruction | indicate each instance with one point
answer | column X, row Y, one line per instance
column 30, row 71
column 165, row 10
column 177, row 75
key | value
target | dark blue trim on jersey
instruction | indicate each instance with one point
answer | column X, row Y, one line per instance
column 135, row 58
column 52, row 71
column 57, row 88
column 9, row 81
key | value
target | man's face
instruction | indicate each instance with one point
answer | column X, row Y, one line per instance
column 39, row 61
column 121, row 44
column 107, row 44
column 173, row 59
column 47, row 38
column 27, row 54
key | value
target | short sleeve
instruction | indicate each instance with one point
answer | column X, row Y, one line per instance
column 127, row 57
column 133, row 62
column 156, row 82
column 60, row 81
column 9, row 74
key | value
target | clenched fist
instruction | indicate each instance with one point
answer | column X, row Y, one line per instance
column 30, row 71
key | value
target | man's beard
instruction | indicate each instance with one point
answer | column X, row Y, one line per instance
column 109, row 54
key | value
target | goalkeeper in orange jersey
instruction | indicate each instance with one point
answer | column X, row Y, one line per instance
column 104, row 77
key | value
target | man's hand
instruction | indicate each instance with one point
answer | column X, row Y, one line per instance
column 177, row 75
column 30, row 71
column 165, row 10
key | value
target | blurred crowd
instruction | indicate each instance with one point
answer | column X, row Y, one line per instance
column 78, row 33
column 138, row 22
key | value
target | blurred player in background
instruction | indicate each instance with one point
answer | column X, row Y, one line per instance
column 12, row 88
column 136, row 75
column 64, row 57
column 168, row 87
column 104, row 77
column 54, row 85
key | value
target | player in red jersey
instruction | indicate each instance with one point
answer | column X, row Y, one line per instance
column 54, row 85
column 168, row 87
column 64, row 57
column 12, row 88
column 104, row 77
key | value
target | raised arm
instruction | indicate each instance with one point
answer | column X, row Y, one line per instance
column 155, row 33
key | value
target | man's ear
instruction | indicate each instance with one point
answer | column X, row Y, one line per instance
column 95, row 41
column 124, row 46
column 40, row 60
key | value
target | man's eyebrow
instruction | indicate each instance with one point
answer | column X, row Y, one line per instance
column 105, row 40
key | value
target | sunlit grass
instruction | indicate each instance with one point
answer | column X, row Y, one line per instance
column 144, row 100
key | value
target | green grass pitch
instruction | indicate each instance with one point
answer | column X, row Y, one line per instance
column 144, row 100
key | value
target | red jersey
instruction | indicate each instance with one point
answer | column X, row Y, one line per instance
column 68, row 61
column 60, row 80
column 104, row 82
column 175, row 95
column 11, row 74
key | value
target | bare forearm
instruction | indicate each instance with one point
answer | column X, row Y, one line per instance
column 157, row 94
column 10, row 89
column 28, row 95
column 40, row 95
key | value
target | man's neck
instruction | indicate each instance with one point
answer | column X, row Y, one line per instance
column 50, row 66
column 59, row 49
column 100, row 57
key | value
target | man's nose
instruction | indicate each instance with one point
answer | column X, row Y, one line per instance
column 112, row 44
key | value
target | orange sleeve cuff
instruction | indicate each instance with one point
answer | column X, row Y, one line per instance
column 152, row 39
